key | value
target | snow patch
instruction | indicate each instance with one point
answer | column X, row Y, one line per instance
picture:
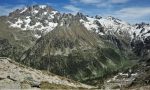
column 45, row 13
column 134, row 74
column 38, row 25
column 124, row 74
column 89, row 25
column 54, row 12
column 42, row 6
column 17, row 24
column 24, row 10
column 37, row 36
column 35, row 11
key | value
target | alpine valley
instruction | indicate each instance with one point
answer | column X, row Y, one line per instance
column 43, row 48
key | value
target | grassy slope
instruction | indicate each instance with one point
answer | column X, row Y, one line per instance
column 18, row 39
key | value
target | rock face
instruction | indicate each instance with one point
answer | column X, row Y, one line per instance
column 16, row 76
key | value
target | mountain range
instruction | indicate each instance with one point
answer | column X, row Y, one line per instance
column 79, row 47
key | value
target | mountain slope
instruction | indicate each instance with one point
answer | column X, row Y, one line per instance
column 16, row 76
column 24, row 26
column 14, row 41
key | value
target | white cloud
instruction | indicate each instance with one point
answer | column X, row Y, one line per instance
column 100, row 3
column 5, row 10
column 119, row 1
column 72, row 8
column 90, row 1
column 130, row 14
column 87, row 1
column 134, row 12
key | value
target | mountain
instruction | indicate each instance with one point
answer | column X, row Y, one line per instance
column 66, row 47
column 140, row 42
column 79, row 47
column 24, row 26
column 38, row 18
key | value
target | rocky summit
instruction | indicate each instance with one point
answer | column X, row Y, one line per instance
column 104, row 52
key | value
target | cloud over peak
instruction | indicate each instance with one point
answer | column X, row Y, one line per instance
column 72, row 8
column 134, row 12
column 119, row 1
column 100, row 2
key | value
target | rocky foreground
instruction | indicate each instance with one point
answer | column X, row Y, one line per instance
column 16, row 76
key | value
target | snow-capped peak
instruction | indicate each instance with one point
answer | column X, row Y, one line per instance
column 24, row 9
column 110, row 18
column 37, row 18
column 141, row 31
column 42, row 6
column 108, row 24
column 43, row 18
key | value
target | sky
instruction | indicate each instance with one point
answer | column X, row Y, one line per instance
column 132, row 11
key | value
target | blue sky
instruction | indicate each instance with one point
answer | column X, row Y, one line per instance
column 131, row 11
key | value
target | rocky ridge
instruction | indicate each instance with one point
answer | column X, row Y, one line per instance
column 44, row 19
